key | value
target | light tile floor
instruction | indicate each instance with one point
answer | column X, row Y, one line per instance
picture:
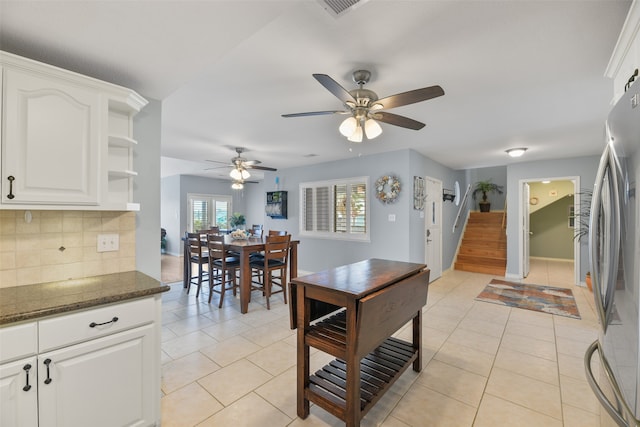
column 484, row 365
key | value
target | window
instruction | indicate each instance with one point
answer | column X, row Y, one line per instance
column 337, row 209
column 208, row 210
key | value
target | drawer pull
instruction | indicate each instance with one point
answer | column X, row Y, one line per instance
column 27, row 368
column 48, row 380
column 11, row 178
column 94, row 324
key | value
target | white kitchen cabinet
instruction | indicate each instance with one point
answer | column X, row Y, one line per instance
column 66, row 139
column 625, row 59
column 52, row 140
column 18, row 378
column 96, row 367
column 18, row 393
column 100, row 383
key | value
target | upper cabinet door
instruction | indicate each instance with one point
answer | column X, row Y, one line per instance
column 51, row 141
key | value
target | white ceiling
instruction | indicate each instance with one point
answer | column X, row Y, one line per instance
column 515, row 73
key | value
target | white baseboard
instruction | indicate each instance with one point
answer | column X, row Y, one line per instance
column 511, row 276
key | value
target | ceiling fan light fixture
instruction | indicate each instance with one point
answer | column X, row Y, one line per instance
column 348, row 126
column 372, row 129
column 357, row 135
column 239, row 174
column 516, row 152
column 237, row 186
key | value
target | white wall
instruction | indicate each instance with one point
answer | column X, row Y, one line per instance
column 170, row 213
column 400, row 240
column 584, row 167
column 146, row 188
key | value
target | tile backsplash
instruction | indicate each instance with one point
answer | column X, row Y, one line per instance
column 60, row 245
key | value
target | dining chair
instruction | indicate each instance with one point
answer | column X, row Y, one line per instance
column 197, row 255
column 224, row 264
column 212, row 230
column 277, row 233
column 276, row 259
column 256, row 232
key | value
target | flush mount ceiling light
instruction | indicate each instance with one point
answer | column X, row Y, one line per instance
column 516, row 152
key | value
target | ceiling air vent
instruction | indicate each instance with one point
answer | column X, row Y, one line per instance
column 337, row 8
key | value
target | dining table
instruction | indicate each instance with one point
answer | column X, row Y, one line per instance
column 244, row 248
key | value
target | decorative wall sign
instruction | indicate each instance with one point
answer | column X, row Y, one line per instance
column 419, row 195
column 387, row 188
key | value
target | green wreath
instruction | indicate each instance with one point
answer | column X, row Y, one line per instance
column 390, row 182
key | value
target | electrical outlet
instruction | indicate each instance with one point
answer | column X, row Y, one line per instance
column 392, row 217
column 108, row 242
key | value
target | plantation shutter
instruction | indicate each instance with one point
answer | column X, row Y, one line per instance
column 308, row 209
column 358, row 211
column 323, row 209
column 340, row 206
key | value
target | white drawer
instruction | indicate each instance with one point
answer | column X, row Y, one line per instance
column 18, row 341
column 98, row 322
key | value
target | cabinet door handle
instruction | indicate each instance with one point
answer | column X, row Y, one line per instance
column 94, row 324
column 11, row 178
column 26, row 368
column 48, row 380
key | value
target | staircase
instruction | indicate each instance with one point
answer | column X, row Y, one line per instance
column 484, row 245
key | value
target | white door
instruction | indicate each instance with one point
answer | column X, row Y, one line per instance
column 525, row 229
column 19, row 393
column 105, row 382
column 433, row 227
column 51, row 141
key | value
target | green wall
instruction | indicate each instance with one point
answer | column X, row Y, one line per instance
column 551, row 236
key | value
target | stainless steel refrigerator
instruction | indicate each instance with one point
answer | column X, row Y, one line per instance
column 614, row 246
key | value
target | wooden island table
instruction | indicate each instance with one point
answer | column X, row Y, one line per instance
column 359, row 307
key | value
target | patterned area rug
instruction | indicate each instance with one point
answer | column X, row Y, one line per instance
column 546, row 299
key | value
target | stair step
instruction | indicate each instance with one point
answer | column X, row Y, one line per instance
column 486, row 233
column 484, row 245
column 482, row 250
column 482, row 260
column 496, row 271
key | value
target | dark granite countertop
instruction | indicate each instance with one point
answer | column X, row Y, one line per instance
column 44, row 299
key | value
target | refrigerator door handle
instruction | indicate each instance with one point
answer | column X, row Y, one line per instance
column 611, row 410
column 611, row 242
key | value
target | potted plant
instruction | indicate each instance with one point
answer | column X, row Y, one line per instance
column 581, row 221
column 484, row 187
column 237, row 220
column 587, row 280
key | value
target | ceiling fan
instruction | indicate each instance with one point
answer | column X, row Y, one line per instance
column 240, row 165
column 366, row 109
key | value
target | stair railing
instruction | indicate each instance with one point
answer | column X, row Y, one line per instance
column 462, row 205
column 504, row 215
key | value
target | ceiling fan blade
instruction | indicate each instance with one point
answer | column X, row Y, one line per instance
column 222, row 163
column 251, row 162
column 396, row 120
column 316, row 113
column 262, row 168
column 334, row 87
column 410, row 97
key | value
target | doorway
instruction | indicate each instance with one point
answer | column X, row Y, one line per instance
column 547, row 211
column 433, row 227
